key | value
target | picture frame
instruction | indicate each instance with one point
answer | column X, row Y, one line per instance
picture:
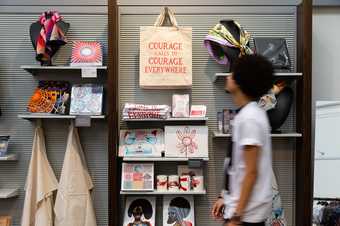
column 178, row 208
column 137, row 177
column 86, row 53
column 86, row 99
column 186, row 141
column 141, row 209
column 141, row 143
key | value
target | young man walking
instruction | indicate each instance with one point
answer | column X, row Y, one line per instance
column 248, row 201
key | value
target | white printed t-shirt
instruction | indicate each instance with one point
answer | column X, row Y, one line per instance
column 251, row 127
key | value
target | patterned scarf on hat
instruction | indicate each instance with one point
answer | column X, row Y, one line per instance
column 221, row 32
column 50, row 36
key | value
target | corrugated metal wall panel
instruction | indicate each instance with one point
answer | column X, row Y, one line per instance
column 53, row 3
column 205, row 91
column 204, row 2
column 16, row 86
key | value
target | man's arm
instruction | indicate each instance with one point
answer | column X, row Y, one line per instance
column 250, row 157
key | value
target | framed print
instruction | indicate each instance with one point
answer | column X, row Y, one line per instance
column 178, row 210
column 141, row 143
column 137, row 177
column 186, row 141
column 140, row 211
column 86, row 99
column 86, row 53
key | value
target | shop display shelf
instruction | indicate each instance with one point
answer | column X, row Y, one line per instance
column 35, row 69
column 6, row 193
column 195, row 119
column 162, row 159
column 9, row 157
column 294, row 75
column 30, row 116
column 274, row 135
column 155, row 192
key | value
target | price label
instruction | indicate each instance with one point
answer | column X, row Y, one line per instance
column 89, row 72
column 83, row 121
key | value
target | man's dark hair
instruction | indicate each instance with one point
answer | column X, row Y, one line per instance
column 254, row 75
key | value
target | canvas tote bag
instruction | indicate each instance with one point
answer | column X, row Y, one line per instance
column 165, row 54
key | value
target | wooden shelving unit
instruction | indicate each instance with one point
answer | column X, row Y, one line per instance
column 273, row 135
column 161, row 159
column 289, row 75
column 35, row 69
column 30, row 116
column 163, row 192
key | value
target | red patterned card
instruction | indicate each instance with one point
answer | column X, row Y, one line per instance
column 86, row 53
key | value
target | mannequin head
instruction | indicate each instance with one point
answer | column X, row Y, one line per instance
column 35, row 30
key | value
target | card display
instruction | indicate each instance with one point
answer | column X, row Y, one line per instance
column 137, row 177
column 178, row 210
column 186, row 141
column 140, row 211
column 141, row 143
column 86, row 54
column 86, row 99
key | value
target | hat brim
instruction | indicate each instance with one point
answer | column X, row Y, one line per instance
column 213, row 45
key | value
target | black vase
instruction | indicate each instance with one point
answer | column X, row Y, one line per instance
column 279, row 114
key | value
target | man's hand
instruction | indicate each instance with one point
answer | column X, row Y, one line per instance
column 217, row 210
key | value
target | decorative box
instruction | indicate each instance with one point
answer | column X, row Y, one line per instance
column 141, row 143
column 180, row 106
column 186, row 141
column 86, row 54
column 86, row 99
column 137, row 177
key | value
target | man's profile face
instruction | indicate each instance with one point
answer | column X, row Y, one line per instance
column 172, row 217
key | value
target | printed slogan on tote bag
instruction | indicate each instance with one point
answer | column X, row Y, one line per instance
column 165, row 55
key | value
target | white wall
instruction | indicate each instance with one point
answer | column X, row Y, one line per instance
column 327, row 150
column 326, row 87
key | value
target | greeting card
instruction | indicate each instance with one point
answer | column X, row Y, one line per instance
column 186, row 141
column 86, row 54
column 137, row 177
column 141, row 143
column 86, row 99
column 140, row 211
column 178, row 210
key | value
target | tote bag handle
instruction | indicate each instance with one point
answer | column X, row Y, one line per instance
column 161, row 18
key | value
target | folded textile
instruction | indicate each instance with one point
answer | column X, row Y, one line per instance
column 141, row 111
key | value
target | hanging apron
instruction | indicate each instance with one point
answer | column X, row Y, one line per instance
column 40, row 184
column 73, row 206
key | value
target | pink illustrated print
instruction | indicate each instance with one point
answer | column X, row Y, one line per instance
column 186, row 141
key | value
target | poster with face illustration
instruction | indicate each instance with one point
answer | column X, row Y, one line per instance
column 186, row 141
column 140, row 211
column 178, row 211
column 141, row 143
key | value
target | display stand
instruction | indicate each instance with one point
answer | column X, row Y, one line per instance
column 300, row 136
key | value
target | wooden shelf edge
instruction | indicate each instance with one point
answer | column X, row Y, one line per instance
column 194, row 119
column 161, row 159
column 277, row 74
column 6, row 193
column 273, row 135
column 9, row 157
column 29, row 116
column 162, row 193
